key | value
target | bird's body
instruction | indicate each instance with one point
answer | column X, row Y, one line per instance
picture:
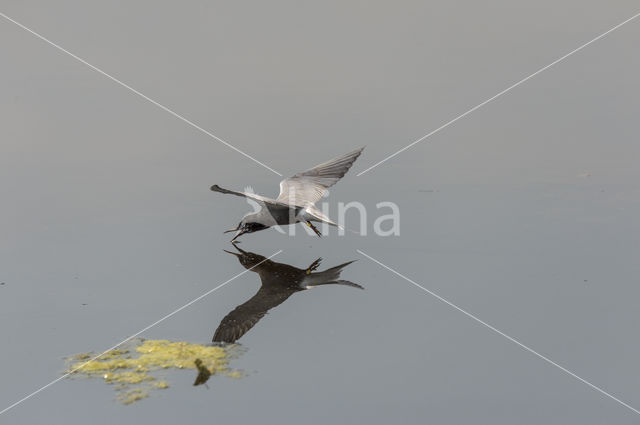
column 297, row 198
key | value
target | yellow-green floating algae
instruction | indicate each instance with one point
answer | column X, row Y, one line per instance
column 133, row 369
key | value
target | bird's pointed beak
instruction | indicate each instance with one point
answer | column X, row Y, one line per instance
column 238, row 227
column 232, row 253
column 238, row 254
column 238, row 234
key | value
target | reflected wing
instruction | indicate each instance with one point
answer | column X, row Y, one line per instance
column 245, row 316
column 307, row 188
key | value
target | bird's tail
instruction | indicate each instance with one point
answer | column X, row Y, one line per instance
column 329, row 277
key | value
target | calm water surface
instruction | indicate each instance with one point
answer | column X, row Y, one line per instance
column 523, row 213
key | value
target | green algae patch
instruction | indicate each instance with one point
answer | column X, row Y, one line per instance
column 131, row 396
column 135, row 370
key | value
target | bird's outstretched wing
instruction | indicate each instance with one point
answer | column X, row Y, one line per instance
column 244, row 317
column 260, row 199
column 307, row 188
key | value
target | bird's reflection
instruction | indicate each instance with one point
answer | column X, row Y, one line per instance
column 279, row 282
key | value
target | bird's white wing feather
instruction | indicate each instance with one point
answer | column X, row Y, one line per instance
column 307, row 188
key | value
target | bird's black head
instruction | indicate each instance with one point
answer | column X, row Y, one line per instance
column 252, row 226
column 247, row 227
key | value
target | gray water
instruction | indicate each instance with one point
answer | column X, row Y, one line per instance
column 523, row 214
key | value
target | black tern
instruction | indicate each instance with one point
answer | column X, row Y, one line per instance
column 279, row 282
column 297, row 198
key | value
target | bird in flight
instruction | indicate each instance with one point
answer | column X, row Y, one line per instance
column 279, row 282
column 297, row 198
